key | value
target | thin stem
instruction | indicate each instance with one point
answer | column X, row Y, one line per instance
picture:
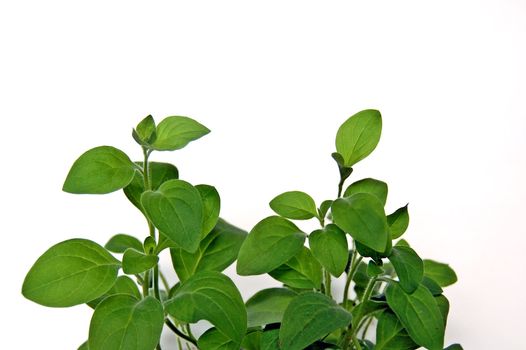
column 164, row 281
column 340, row 187
column 156, row 282
column 179, row 343
column 355, row 262
column 174, row 329
column 356, row 343
column 146, row 284
column 327, row 283
column 369, row 321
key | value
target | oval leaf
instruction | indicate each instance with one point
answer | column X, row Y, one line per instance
column 213, row 339
column 211, row 296
column 440, row 273
column 100, row 170
column 120, row 242
column 268, row 306
column 375, row 187
column 309, row 317
column 362, row 216
column 211, row 207
column 145, row 132
column 398, row 222
column 176, row 210
column 135, row 262
column 271, row 243
column 301, row 271
column 70, row 273
column 294, row 205
column 329, row 246
column 358, row 136
column 391, row 335
column 123, row 285
column 408, row 266
column 124, row 322
column 176, row 132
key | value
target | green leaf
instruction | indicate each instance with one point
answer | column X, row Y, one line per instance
column 123, row 285
column 373, row 269
column 124, row 322
column 402, row 243
column 433, row 287
column 120, row 242
column 70, row 273
column 419, row 315
column 216, row 251
column 370, row 253
column 358, row 136
column 360, row 277
column 176, row 132
column 135, row 262
column 176, row 209
column 270, row 340
column 84, row 346
column 271, row 243
column 364, row 309
column 100, row 170
column 211, row 296
column 268, row 305
column 324, row 208
column 294, row 205
column 398, row 222
column 391, row 335
column 454, row 347
column 443, row 305
column 301, row 271
column 159, row 173
column 439, row 272
column 252, row 340
column 329, row 247
column 211, row 207
column 362, row 216
column 145, row 132
column 309, row 317
column 372, row 186
column 408, row 266
column 213, row 339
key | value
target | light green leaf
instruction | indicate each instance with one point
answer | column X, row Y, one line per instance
column 324, row 208
column 329, row 247
column 211, row 207
column 123, row 285
column 84, row 346
column 211, row 296
column 252, row 340
column 70, row 273
column 398, row 222
column 213, row 339
column 270, row 340
column 268, row 305
column 100, row 170
column 176, row 132
column 408, row 266
column 358, row 136
column 362, row 216
column 124, row 322
column 176, row 209
column 419, row 315
column 439, row 272
column 372, row 186
column 391, row 335
column 145, row 132
column 294, row 205
column 309, row 317
column 301, row 271
column 120, row 242
column 216, row 251
column 135, row 262
column 271, row 243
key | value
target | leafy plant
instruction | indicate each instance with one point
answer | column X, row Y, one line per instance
column 386, row 283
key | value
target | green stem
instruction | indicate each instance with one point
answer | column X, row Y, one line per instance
column 164, row 281
column 355, row 262
column 156, row 282
column 369, row 321
column 327, row 283
column 356, row 343
column 174, row 329
column 146, row 284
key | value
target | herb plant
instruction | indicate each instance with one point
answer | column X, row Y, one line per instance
column 387, row 285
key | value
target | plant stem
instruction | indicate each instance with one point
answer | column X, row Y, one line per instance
column 327, row 275
column 340, row 187
column 164, row 281
column 156, row 282
column 369, row 321
column 356, row 343
column 146, row 284
column 355, row 262
column 174, row 329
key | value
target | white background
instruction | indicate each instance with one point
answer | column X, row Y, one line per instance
column 273, row 80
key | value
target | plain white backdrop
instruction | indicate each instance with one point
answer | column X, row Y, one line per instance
column 273, row 80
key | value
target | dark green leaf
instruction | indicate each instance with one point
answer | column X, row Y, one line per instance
column 176, row 132
column 376, row 256
column 372, row 186
column 145, row 132
column 419, row 315
column 120, row 242
column 391, row 335
column 294, row 205
column 135, row 262
column 252, row 340
column 268, row 305
column 211, row 207
column 271, row 243
column 454, row 347
column 124, row 322
column 365, row 309
column 408, row 266
column 211, row 296
column 309, row 317
column 402, row 243
column 100, row 170
column 270, row 340
column 360, row 277
column 362, row 216
column 373, row 269
column 443, row 305
column 358, row 136
column 70, row 273
column 433, row 287
column 176, row 209
column 123, row 285
column 439, row 272
column 398, row 222
column 329, row 247
column 213, row 339
column 84, row 346
column 301, row 271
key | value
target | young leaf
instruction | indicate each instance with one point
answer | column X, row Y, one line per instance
column 419, row 315
column 309, row 317
column 408, row 266
column 213, row 339
column 176, row 209
column 324, row 208
column 211, row 207
column 362, row 216
column 216, row 251
column 439, row 272
column 120, row 242
column 301, row 271
column 375, row 187
column 174, row 133
column 144, row 134
column 100, row 170
column 329, row 247
column 135, row 262
column 373, row 269
column 70, row 273
column 294, row 205
column 358, row 136
column 211, row 296
column 268, row 305
column 124, row 322
column 391, row 335
column 398, row 222
column 271, row 243
column 123, row 285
